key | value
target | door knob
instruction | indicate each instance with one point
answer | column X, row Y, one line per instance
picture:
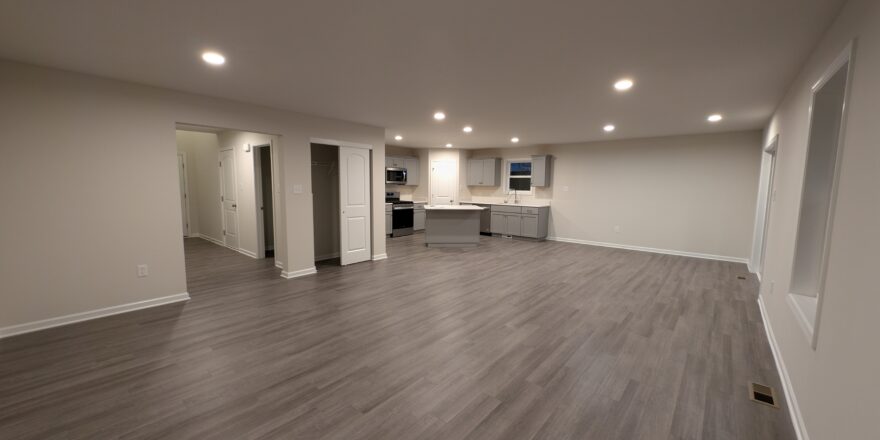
column 234, row 205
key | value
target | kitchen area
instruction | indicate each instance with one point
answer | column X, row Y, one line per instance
column 508, row 210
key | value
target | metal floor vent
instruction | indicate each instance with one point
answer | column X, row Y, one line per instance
column 762, row 394
column 740, row 277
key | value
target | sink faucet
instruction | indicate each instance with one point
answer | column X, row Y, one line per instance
column 515, row 199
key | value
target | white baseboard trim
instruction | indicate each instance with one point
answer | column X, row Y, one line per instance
column 378, row 257
column 797, row 420
column 327, row 256
column 221, row 243
column 279, row 264
column 246, row 252
column 212, row 240
column 29, row 327
column 299, row 273
column 195, row 235
column 651, row 250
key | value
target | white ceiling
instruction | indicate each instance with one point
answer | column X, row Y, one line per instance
column 541, row 70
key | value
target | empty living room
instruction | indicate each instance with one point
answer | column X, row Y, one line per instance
column 349, row 220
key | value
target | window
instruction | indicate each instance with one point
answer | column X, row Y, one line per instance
column 827, row 116
column 519, row 176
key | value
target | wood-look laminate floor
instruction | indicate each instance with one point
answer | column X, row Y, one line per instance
column 511, row 340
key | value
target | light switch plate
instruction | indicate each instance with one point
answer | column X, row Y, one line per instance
column 297, row 189
column 143, row 270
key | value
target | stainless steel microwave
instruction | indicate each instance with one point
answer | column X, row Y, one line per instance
column 395, row 176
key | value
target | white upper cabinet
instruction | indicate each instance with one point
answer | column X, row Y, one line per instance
column 412, row 170
column 541, row 170
column 484, row 172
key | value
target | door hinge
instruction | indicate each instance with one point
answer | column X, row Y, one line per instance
column 221, row 198
column 224, row 232
column 219, row 164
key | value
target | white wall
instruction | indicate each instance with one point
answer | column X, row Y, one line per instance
column 107, row 197
column 836, row 385
column 689, row 194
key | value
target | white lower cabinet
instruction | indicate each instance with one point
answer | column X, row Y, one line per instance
column 520, row 221
column 419, row 217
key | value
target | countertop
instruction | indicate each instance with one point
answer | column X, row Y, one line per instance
column 526, row 204
column 453, row 208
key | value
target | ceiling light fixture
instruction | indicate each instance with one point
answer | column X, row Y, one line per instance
column 715, row 118
column 609, row 128
column 214, row 58
column 623, row 84
column 398, row 138
column 514, row 139
column 467, row 129
column 439, row 116
column 448, row 145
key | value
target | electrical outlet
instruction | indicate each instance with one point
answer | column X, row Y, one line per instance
column 565, row 188
column 143, row 270
column 617, row 228
column 771, row 288
column 297, row 189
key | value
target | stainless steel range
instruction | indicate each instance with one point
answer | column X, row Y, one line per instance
column 401, row 214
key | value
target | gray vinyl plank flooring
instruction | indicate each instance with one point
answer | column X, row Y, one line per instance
column 509, row 340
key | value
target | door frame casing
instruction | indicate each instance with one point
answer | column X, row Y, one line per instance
column 258, row 195
column 181, row 155
column 368, row 147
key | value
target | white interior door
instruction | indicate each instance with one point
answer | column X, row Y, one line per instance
column 228, row 199
column 354, row 200
column 184, row 189
column 443, row 177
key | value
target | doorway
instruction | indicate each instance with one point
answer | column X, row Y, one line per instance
column 264, row 198
column 443, row 182
column 765, row 205
column 325, row 203
column 341, row 198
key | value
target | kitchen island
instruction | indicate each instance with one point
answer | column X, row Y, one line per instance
column 452, row 225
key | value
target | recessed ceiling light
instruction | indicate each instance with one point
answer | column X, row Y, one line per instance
column 448, row 145
column 623, row 84
column 514, row 139
column 398, row 138
column 439, row 116
column 609, row 128
column 467, row 129
column 715, row 118
column 214, row 58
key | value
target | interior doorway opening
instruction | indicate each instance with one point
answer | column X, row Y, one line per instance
column 342, row 200
column 229, row 190
column 265, row 190
column 325, row 203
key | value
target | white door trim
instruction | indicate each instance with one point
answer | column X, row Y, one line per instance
column 181, row 156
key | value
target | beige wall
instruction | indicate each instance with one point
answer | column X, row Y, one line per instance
column 689, row 194
column 836, row 385
column 107, row 196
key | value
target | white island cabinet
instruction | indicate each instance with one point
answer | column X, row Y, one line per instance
column 452, row 225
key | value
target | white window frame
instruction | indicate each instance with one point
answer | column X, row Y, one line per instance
column 507, row 177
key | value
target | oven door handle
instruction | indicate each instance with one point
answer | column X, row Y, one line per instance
column 402, row 208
